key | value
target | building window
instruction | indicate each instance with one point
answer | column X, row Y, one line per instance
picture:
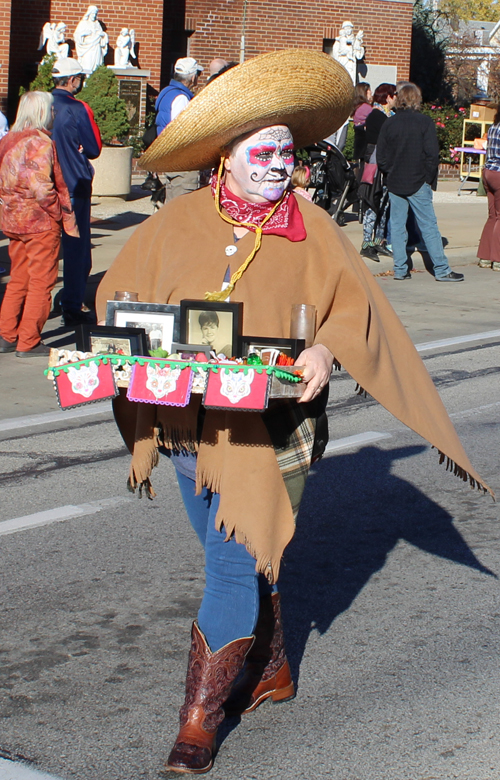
column 328, row 45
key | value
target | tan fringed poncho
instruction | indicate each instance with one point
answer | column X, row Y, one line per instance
column 179, row 253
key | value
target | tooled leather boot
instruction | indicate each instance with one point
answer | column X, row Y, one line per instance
column 210, row 677
column 267, row 672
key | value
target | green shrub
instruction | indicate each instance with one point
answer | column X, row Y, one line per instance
column 110, row 111
column 449, row 122
column 348, row 150
column 43, row 81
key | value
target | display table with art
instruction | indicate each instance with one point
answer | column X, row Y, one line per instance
column 162, row 353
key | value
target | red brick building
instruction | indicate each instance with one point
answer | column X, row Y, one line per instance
column 168, row 29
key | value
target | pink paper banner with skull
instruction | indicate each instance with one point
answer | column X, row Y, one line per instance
column 85, row 384
column 154, row 383
column 246, row 391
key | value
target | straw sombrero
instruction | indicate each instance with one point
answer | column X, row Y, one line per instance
column 306, row 90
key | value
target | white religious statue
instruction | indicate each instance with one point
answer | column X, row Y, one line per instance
column 348, row 49
column 125, row 48
column 54, row 35
column 91, row 41
column 483, row 77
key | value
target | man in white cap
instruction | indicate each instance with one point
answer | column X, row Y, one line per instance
column 169, row 104
column 77, row 141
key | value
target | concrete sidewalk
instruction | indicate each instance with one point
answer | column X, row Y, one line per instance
column 427, row 309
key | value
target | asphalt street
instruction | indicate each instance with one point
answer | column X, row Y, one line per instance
column 390, row 592
column 390, row 586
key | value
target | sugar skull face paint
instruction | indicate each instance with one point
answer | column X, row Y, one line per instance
column 259, row 166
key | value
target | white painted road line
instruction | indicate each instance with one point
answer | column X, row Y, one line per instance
column 489, row 334
column 476, row 409
column 48, row 417
column 356, row 441
column 57, row 515
column 10, row 770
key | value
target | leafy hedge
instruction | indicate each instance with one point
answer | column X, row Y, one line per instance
column 449, row 123
column 110, row 111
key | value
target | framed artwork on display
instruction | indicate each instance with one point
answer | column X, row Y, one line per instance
column 256, row 344
column 161, row 321
column 212, row 323
column 189, row 351
column 110, row 340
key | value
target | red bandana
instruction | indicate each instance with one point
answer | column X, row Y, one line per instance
column 286, row 221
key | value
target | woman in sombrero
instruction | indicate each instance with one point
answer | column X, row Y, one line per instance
column 242, row 474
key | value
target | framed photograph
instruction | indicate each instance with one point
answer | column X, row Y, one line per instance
column 213, row 324
column 290, row 347
column 189, row 351
column 110, row 340
column 161, row 321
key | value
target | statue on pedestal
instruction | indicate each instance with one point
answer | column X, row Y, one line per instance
column 482, row 78
column 91, row 41
column 125, row 48
column 348, row 49
column 54, row 35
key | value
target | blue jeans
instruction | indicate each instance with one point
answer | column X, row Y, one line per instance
column 77, row 258
column 421, row 205
column 230, row 605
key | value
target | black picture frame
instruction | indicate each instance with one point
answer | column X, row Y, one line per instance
column 164, row 317
column 88, row 337
column 229, row 327
column 291, row 347
column 192, row 348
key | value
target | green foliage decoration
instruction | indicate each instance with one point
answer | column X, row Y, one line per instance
column 43, row 81
column 110, row 111
column 348, row 150
column 449, row 122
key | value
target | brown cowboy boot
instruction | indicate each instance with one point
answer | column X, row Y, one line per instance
column 210, row 677
column 267, row 672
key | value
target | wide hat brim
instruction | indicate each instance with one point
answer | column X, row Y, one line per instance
column 308, row 91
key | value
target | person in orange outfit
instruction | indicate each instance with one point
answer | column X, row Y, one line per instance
column 36, row 204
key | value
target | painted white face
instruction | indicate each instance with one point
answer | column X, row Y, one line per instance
column 259, row 167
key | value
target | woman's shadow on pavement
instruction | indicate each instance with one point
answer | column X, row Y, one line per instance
column 353, row 514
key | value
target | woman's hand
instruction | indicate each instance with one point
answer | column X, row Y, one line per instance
column 317, row 362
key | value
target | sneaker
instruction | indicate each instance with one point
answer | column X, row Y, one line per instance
column 383, row 250
column 41, row 350
column 484, row 264
column 402, row 278
column 495, row 266
column 451, row 277
column 7, row 346
column 371, row 253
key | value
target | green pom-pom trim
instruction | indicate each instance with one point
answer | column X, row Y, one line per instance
column 121, row 360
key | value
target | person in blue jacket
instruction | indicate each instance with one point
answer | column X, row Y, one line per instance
column 169, row 103
column 77, row 141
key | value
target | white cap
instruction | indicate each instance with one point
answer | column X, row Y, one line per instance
column 187, row 66
column 66, row 67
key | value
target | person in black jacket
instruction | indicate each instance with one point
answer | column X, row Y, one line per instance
column 375, row 195
column 77, row 140
column 408, row 152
